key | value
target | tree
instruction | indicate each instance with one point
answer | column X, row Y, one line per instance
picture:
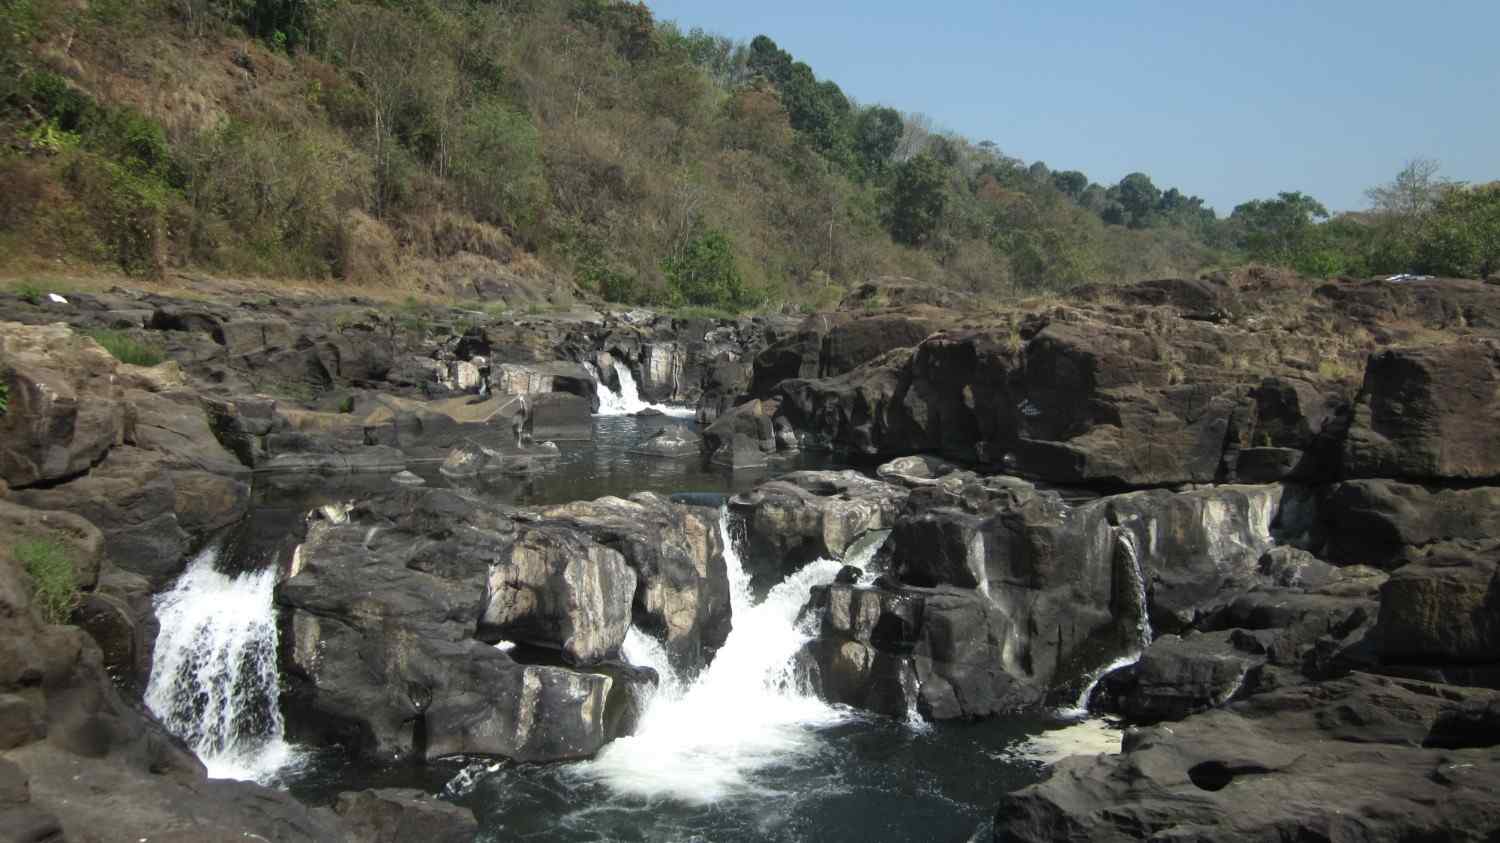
column 1278, row 230
column 706, row 274
column 1138, row 198
column 769, row 61
column 877, row 133
column 1414, row 192
column 1070, row 183
column 1461, row 236
column 918, row 199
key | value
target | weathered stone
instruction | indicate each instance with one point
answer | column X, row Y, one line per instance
column 807, row 515
column 671, row 441
column 404, row 816
column 682, row 583
column 1428, row 414
column 550, row 589
column 1276, row 767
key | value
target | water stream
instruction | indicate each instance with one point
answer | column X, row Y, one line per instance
column 214, row 680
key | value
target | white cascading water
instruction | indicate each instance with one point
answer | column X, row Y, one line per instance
column 1125, row 546
column 627, row 402
column 702, row 742
column 214, row 681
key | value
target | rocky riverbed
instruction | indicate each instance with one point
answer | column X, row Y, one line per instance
column 1250, row 520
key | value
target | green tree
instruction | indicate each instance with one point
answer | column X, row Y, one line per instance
column 497, row 165
column 1070, row 183
column 706, row 273
column 1278, row 230
column 769, row 61
column 877, row 133
column 1138, row 199
column 918, row 199
column 1462, row 235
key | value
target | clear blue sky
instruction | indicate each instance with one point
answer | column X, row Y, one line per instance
column 1227, row 100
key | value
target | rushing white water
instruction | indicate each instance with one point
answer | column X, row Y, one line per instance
column 627, row 402
column 213, row 678
column 703, row 742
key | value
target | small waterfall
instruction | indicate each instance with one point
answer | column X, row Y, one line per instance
column 627, row 402
column 214, row 680
column 1127, row 558
column 1127, row 550
column 703, row 742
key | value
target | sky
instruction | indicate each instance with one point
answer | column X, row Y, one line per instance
column 1230, row 101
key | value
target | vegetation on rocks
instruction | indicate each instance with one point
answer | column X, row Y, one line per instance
column 51, row 570
column 128, row 349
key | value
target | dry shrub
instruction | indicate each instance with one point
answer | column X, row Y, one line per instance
column 367, row 250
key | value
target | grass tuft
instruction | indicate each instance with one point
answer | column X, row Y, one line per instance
column 50, row 567
column 128, row 349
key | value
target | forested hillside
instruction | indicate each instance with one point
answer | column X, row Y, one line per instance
column 448, row 145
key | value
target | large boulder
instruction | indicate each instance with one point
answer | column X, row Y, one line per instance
column 677, row 554
column 807, row 515
column 1443, row 607
column 394, row 815
column 938, row 652
column 1428, row 414
column 557, row 590
column 381, row 632
column 65, row 411
column 1376, row 521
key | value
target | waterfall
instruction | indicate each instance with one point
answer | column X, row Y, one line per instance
column 627, row 402
column 703, row 741
column 214, row 680
column 1126, row 557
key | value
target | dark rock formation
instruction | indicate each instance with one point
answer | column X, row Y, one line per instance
column 1361, row 758
column 1428, row 414
column 381, row 644
column 807, row 515
column 404, row 816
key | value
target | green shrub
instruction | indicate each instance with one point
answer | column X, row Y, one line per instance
column 29, row 292
column 4, row 398
column 50, row 567
column 706, row 274
column 128, row 349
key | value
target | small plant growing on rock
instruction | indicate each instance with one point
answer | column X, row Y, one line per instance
column 50, row 567
column 128, row 349
column 29, row 292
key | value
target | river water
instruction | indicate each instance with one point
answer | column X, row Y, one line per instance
column 737, row 753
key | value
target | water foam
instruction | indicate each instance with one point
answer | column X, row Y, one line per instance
column 214, row 680
column 704, row 742
column 627, row 402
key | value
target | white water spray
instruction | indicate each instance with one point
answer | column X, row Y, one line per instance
column 627, row 402
column 703, row 743
column 214, row 681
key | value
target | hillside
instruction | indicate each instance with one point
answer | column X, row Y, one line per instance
column 445, row 145
column 534, row 153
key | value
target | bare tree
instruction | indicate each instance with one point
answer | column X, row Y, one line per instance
column 915, row 136
column 1413, row 193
